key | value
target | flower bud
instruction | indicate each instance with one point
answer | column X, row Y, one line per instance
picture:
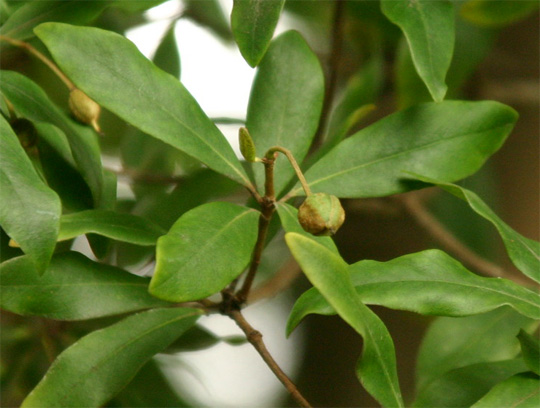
column 247, row 147
column 84, row 109
column 321, row 214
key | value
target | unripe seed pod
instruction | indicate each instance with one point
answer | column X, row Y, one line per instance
column 321, row 214
column 84, row 109
column 247, row 147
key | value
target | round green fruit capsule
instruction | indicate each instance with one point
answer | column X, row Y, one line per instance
column 321, row 214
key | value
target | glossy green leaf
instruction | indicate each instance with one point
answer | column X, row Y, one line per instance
column 73, row 288
column 328, row 272
column 473, row 44
column 428, row 282
column 112, row 71
column 497, row 13
column 285, row 104
column 464, row 386
column 23, row 20
column 29, row 210
column 99, row 365
column 519, row 391
column 119, row 226
column 451, row 343
column 31, row 102
column 253, row 23
column 288, row 216
column 428, row 137
column 530, row 348
column 204, row 250
column 428, row 27
column 524, row 252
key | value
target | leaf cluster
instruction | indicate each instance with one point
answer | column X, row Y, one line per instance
column 200, row 219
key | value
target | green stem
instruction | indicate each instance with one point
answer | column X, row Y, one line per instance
column 21, row 44
column 270, row 155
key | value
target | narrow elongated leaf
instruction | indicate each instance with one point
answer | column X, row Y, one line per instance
column 519, row 391
column 428, row 27
column 74, row 288
column 111, row 70
column 119, row 226
column 451, row 139
column 530, row 348
column 205, row 250
column 29, row 210
column 23, row 20
column 451, row 343
column 472, row 45
column 288, row 216
column 285, row 104
column 253, row 23
column 99, row 365
column 524, row 252
column 464, row 386
column 428, row 282
column 31, row 102
column 328, row 272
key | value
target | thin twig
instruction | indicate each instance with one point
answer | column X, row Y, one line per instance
column 335, row 57
column 25, row 46
column 449, row 242
column 294, row 165
column 255, row 338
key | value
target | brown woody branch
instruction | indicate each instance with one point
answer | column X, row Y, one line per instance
column 255, row 338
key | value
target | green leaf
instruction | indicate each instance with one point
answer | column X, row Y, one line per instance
column 205, row 250
column 497, row 13
column 285, row 104
column 99, row 365
column 519, row 391
column 21, row 23
column 451, row 343
column 253, row 23
column 428, row 282
column 428, row 27
column 73, row 288
column 524, row 252
column 288, row 216
column 462, row 387
column 167, row 56
column 29, row 210
column 530, row 348
column 112, row 71
column 31, row 102
column 328, row 272
column 427, row 137
column 472, row 45
column 119, row 226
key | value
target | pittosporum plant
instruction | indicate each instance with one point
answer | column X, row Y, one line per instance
column 81, row 331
